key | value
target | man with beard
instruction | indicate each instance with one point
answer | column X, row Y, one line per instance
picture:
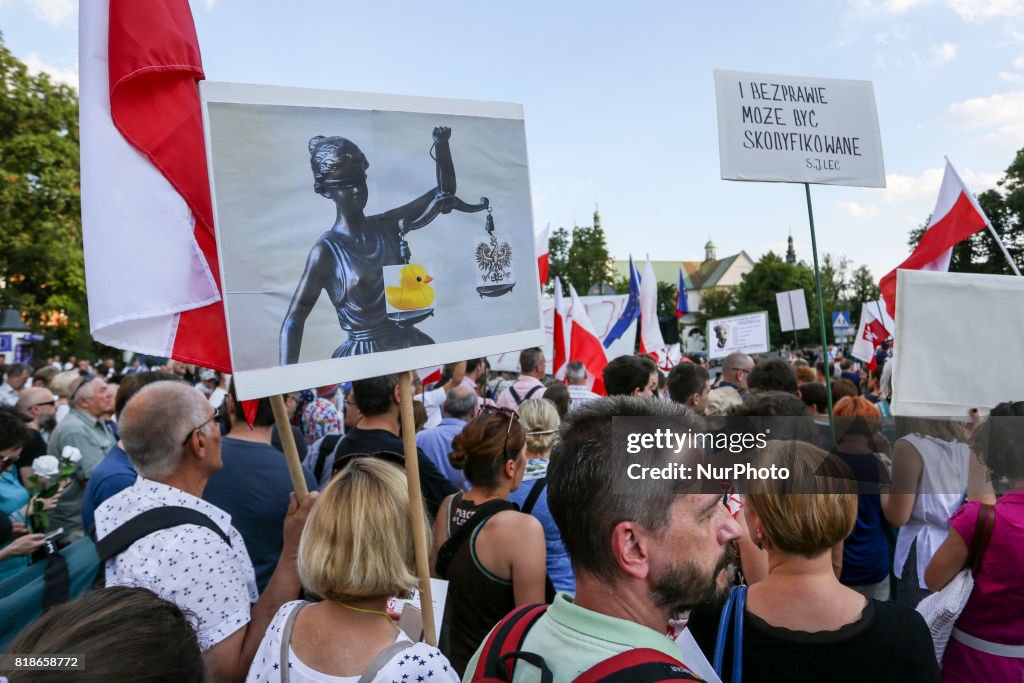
column 39, row 408
column 643, row 551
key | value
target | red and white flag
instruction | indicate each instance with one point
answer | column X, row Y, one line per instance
column 144, row 184
column 956, row 217
column 430, row 375
column 540, row 249
column 558, row 331
column 875, row 327
column 651, row 341
column 584, row 344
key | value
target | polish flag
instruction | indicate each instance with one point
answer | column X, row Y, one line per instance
column 956, row 217
column 558, row 332
column 430, row 375
column 144, row 184
column 651, row 341
column 875, row 327
column 540, row 248
column 584, row 344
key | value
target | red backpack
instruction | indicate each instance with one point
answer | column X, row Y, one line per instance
column 502, row 648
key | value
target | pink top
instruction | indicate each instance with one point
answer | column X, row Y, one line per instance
column 522, row 386
column 995, row 610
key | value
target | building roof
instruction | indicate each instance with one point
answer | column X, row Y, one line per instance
column 696, row 274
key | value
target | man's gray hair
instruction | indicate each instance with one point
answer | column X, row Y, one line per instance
column 459, row 402
column 576, row 371
column 155, row 422
column 81, row 390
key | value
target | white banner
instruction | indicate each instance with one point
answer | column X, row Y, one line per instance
column 747, row 333
column 603, row 311
column 798, row 130
column 345, row 250
column 956, row 335
column 792, row 310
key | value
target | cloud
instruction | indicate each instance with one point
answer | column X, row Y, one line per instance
column 37, row 65
column 968, row 10
column 859, row 211
column 1001, row 109
column 1018, row 63
column 919, row 192
column 943, row 53
column 1012, row 78
column 53, row 12
column 209, row 4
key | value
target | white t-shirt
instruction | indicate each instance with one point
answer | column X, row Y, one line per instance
column 417, row 663
column 432, row 400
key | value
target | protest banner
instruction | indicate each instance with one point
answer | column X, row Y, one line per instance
column 296, row 266
column 414, row 274
column 796, row 129
column 792, row 310
column 747, row 333
column 965, row 321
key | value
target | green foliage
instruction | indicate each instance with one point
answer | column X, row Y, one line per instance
column 580, row 258
column 716, row 303
column 41, row 264
column 757, row 293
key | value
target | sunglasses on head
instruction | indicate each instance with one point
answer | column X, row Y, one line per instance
column 86, row 378
column 512, row 417
column 218, row 415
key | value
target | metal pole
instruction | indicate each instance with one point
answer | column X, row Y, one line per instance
column 1013, row 266
column 821, row 316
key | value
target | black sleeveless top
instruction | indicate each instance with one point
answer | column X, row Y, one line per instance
column 477, row 599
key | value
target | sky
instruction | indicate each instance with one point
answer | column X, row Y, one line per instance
column 620, row 105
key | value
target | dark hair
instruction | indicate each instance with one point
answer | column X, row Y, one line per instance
column 825, row 368
column 772, row 375
column 997, row 440
column 375, row 395
column 264, row 411
column 685, row 380
column 13, row 431
column 17, row 369
column 777, row 414
column 558, row 394
column 587, row 479
column 123, row 634
column 626, row 373
column 472, row 364
column 480, row 451
column 842, row 388
column 132, row 382
column 813, row 394
column 529, row 359
column 419, row 415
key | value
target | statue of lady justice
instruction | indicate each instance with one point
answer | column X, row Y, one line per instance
column 347, row 261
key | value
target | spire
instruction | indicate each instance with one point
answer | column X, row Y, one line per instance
column 597, row 217
column 790, row 251
column 709, row 251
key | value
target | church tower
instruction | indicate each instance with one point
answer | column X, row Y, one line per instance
column 597, row 218
column 709, row 251
column 790, row 251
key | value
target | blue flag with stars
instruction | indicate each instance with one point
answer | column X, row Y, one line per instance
column 632, row 310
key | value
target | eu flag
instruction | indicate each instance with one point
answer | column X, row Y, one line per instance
column 632, row 310
column 682, row 306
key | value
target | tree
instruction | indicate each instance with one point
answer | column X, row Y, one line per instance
column 716, row 303
column 757, row 292
column 581, row 259
column 835, row 283
column 863, row 289
column 42, row 271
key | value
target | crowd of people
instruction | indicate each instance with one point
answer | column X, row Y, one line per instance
column 551, row 551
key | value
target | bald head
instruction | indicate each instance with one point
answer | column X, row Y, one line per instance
column 157, row 420
column 32, row 398
column 736, row 368
column 460, row 403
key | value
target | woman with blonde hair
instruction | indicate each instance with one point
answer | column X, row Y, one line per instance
column 356, row 552
column 539, row 417
column 800, row 623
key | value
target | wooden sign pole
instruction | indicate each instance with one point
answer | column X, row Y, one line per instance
column 291, row 453
column 416, row 512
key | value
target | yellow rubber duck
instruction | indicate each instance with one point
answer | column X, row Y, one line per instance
column 414, row 292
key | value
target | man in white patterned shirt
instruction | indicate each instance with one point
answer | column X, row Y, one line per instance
column 172, row 437
column 576, row 382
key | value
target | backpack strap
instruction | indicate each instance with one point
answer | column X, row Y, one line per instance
column 286, row 639
column 534, row 495
column 643, row 665
column 515, row 395
column 531, row 392
column 504, row 641
column 736, row 603
column 447, row 551
column 148, row 522
column 327, row 446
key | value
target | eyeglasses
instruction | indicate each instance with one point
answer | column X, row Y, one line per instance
column 86, row 378
column 44, row 403
column 218, row 415
column 512, row 417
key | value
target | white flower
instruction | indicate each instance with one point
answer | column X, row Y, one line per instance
column 45, row 466
column 71, row 454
